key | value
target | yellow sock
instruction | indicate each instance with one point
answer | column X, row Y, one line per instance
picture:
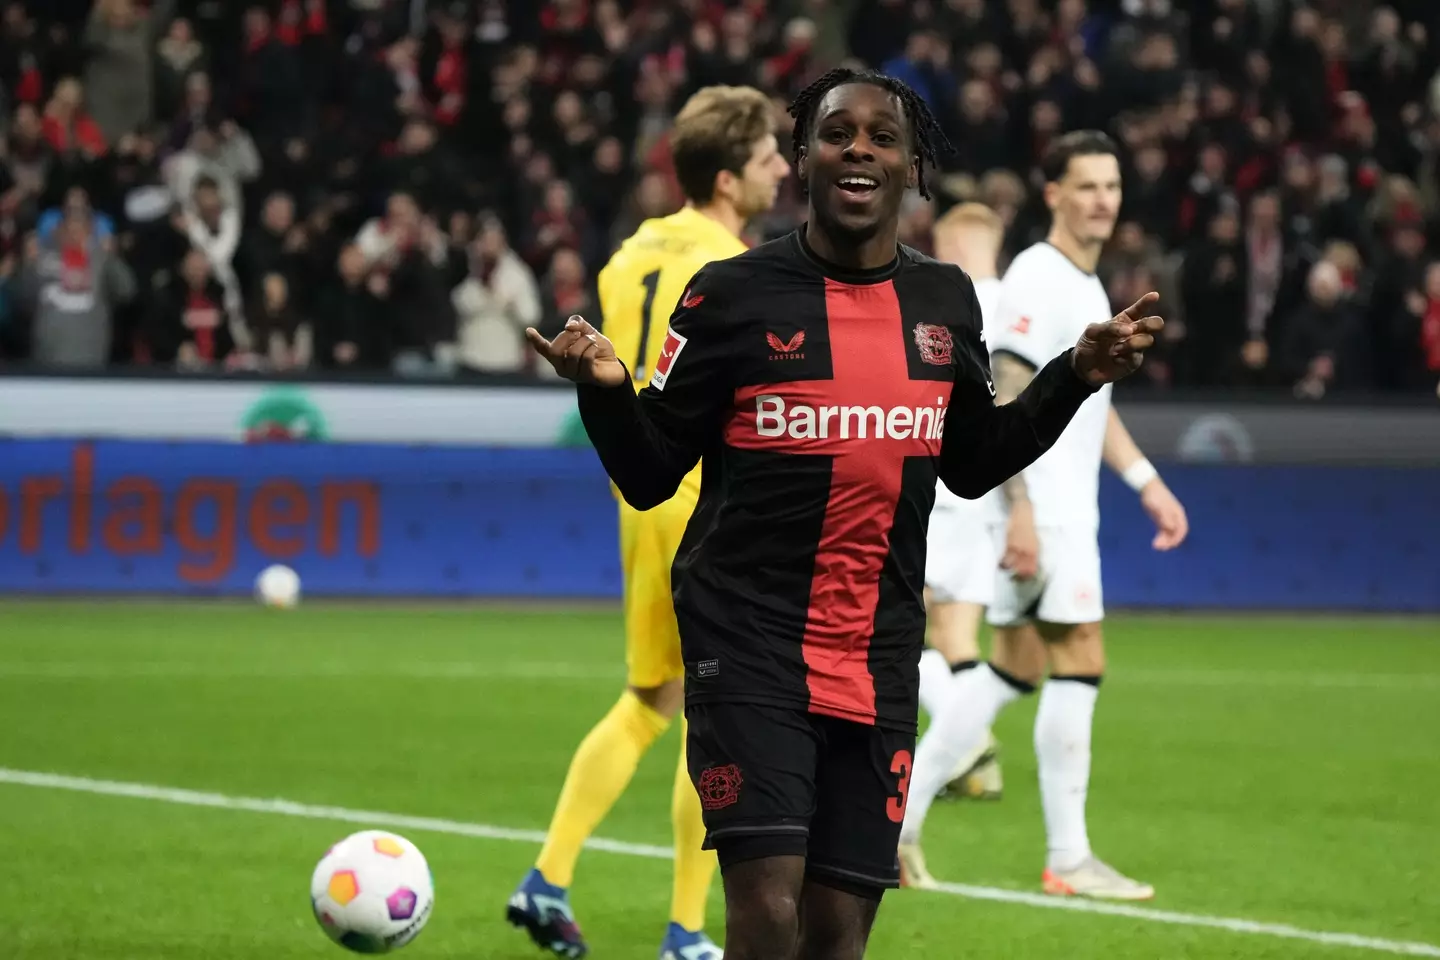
column 694, row 867
column 602, row 767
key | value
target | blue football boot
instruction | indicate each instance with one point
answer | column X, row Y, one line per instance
column 543, row 910
column 681, row 944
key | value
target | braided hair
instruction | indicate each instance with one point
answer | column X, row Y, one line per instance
column 927, row 140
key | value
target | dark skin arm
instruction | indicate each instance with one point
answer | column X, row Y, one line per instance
column 985, row 445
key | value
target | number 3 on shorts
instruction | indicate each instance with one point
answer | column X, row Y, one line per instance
column 895, row 806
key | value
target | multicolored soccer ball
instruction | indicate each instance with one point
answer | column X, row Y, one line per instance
column 278, row 586
column 372, row 892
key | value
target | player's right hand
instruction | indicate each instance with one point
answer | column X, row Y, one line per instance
column 1022, row 544
column 580, row 353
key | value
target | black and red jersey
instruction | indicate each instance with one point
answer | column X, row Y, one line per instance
column 823, row 403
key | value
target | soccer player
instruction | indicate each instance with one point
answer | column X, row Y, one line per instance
column 823, row 381
column 729, row 166
column 960, row 561
column 1047, row 605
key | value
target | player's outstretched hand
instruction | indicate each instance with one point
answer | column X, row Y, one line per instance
column 580, row 353
column 1171, row 523
column 1111, row 351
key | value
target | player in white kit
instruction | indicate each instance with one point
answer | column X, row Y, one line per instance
column 961, row 557
column 1047, row 607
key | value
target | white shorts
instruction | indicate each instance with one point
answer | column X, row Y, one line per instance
column 1067, row 589
column 960, row 558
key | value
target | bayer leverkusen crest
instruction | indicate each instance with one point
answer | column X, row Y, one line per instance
column 935, row 343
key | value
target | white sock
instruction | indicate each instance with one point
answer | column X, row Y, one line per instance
column 976, row 697
column 1062, row 749
column 935, row 680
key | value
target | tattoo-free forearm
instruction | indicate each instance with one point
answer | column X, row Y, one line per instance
column 1012, row 376
column 1120, row 450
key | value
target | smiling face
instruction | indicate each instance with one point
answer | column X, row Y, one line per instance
column 858, row 161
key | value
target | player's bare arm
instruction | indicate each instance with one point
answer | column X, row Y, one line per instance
column 1012, row 376
column 1124, row 456
column 1022, row 544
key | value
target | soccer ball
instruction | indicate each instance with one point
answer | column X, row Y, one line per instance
column 372, row 892
column 278, row 586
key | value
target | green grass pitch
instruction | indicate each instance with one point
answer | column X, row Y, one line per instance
column 1266, row 770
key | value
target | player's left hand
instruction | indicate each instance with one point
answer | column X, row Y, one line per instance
column 1171, row 524
column 1111, row 351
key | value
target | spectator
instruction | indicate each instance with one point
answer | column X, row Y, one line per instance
column 1417, row 333
column 983, row 142
column 386, row 241
column 606, row 180
column 651, row 198
column 276, row 245
column 194, row 111
column 31, row 163
column 190, row 326
column 119, row 41
column 69, row 129
column 71, row 284
column 136, row 189
column 225, row 155
column 7, row 306
column 567, row 291
column 214, row 229
column 1324, row 344
column 556, row 224
column 1401, row 269
column 1315, row 125
column 271, row 80
column 494, row 304
column 1135, row 265
column 1214, row 286
column 285, row 338
column 1267, row 264
column 407, row 256
column 425, row 171
column 77, row 204
column 180, row 58
column 925, row 66
column 360, row 332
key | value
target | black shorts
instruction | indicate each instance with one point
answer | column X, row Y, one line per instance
column 778, row 781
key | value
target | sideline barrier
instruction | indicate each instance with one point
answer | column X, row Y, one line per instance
column 150, row 517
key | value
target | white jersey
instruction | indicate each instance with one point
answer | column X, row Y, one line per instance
column 1046, row 302
column 988, row 508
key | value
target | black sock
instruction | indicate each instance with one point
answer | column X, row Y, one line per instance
column 1092, row 680
column 1020, row 685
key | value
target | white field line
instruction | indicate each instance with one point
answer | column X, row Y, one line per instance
column 189, row 670
column 611, row 673
column 397, row 821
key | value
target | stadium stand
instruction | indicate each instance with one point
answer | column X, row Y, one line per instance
column 401, row 187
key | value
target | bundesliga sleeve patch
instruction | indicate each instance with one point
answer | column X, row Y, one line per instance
column 669, row 352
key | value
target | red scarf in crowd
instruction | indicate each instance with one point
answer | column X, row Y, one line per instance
column 1430, row 335
column 451, row 80
column 298, row 19
column 201, row 316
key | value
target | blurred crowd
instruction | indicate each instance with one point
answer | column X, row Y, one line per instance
column 401, row 186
